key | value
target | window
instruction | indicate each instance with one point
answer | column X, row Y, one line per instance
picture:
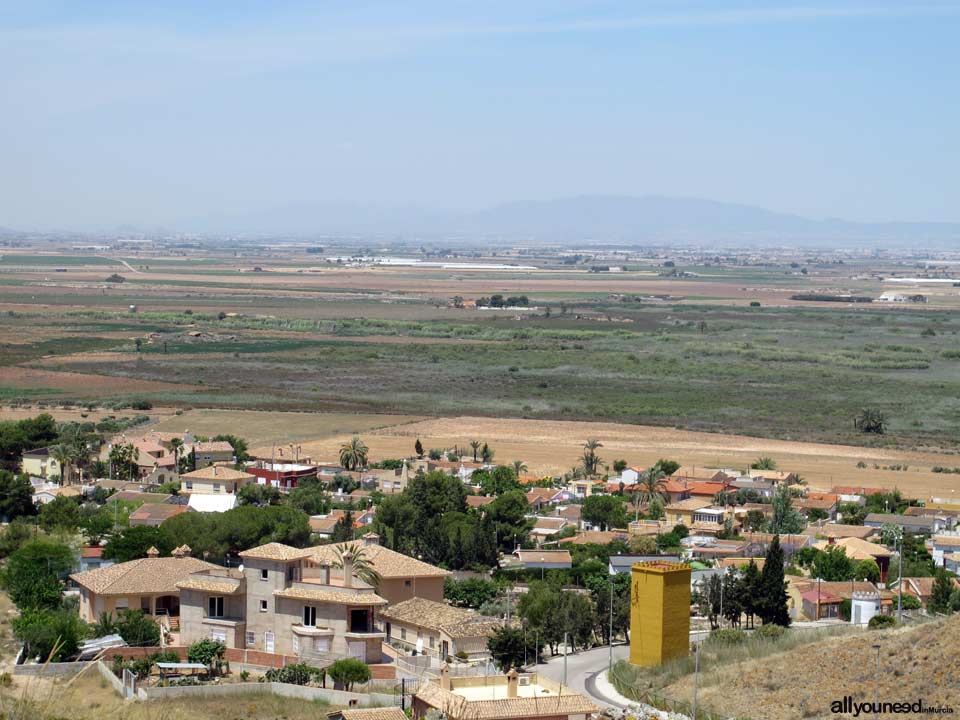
column 432, row 641
column 219, row 634
column 251, row 639
column 215, row 607
column 321, row 645
column 309, row 616
column 403, row 633
column 216, row 487
column 263, row 606
column 189, row 484
column 264, row 574
column 407, row 583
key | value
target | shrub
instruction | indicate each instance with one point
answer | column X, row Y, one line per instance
column 6, row 679
column 882, row 621
column 727, row 636
column 296, row 674
column 138, row 629
column 348, row 671
column 910, row 602
column 244, row 675
column 770, row 632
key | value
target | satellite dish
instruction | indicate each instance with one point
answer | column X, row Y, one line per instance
column 240, row 567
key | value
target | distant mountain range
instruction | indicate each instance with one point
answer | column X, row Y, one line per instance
column 587, row 218
column 600, row 218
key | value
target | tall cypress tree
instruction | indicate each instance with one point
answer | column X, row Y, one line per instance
column 772, row 603
column 942, row 591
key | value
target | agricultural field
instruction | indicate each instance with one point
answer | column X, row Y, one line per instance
column 714, row 349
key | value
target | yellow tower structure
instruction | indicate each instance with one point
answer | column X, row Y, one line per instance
column 659, row 612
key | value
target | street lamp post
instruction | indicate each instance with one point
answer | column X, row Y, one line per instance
column 876, row 688
column 900, row 580
column 696, row 678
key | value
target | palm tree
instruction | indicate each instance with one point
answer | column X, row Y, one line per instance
column 64, row 457
column 590, row 458
column 519, row 467
column 475, row 446
column 764, row 463
column 362, row 564
column 651, row 485
column 105, row 625
column 353, row 454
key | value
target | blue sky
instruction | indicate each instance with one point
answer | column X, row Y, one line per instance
column 129, row 112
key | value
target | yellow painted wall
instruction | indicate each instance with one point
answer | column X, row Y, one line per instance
column 659, row 612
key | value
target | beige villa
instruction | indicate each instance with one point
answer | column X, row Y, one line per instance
column 215, row 480
column 282, row 602
column 438, row 630
column 401, row 576
column 148, row 584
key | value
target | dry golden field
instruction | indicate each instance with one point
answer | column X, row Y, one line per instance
column 552, row 447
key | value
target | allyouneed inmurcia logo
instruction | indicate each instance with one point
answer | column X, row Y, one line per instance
column 848, row 706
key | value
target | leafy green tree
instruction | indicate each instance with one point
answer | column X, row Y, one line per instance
column 507, row 513
column 96, row 522
column 652, row 484
column 36, row 572
column 771, row 604
column 206, row 652
column 941, row 594
column 123, row 460
column 17, row 436
column 786, row 519
column 106, row 624
column 540, row 609
column 13, row 537
column 346, row 672
column 832, row 564
column 668, row 467
column 470, row 592
column 131, row 543
column 500, row 480
column 486, row 453
column 259, row 495
column 353, row 454
column 751, row 589
column 343, row 528
column 607, row 511
column 239, row 445
column 49, row 634
column 61, row 513
column 511, row 647
column 866, row 570
column 16, row 496
column 309, row 497
column 138, row 629
column 619, row 466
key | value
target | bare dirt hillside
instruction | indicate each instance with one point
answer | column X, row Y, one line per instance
column 916, row 663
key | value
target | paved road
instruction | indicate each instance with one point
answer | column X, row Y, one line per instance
column 583, row 668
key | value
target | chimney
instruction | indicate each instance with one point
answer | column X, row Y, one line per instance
column 444, row 677
column 153, row 552
column 325, row 571
column 512, row 683
column 348, row 569
column 371, row 538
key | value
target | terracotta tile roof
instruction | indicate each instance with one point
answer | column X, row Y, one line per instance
column 217, row 472
column 276, row 551
column 155, row 513
column 595, row 537
column 141, row 497
column 857, row 549
column 476, row 501
column 145, row 575
column 455, row 622
column 568, row 702
column 737, row 562
column 546, row 556
column 705, row 488
column 323, row 524
column 837, row 530
column 696, row 473
column 91, row 551
column 946, row 540
column 324, row 593
column 388, row 563
column 215, row 446
column 856, row 490
column 690, row 504
column 549, row 523
column 385, row 713
column 675, row 486
column 570, row 512
column 210, row 584
column 812, row 503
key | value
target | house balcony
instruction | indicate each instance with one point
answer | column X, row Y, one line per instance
column 224, row 621
column 311, row 630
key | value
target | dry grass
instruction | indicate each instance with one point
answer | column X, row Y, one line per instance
column 88, row 697
column 260, row 428
column 549, row 446
column 915, row 662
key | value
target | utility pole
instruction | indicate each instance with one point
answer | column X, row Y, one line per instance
column 900, row 581
column 610, row 631
column 696, row 677
column 565, row 658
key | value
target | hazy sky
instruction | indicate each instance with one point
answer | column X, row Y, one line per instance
column 113, row 112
